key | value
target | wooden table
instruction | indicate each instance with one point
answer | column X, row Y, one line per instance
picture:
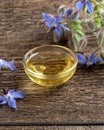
column 79, row 101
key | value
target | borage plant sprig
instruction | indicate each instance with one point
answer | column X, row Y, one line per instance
column 74, row 23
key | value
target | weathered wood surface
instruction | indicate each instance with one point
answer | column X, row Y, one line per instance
column 80, row 100
column 52, row 128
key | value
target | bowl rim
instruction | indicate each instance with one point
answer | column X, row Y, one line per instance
column 46, row 76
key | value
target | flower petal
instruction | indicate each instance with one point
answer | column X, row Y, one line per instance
column 91, row 58
column 11, row 91
column 58, row 31
column 79, row 5
column 57, row 19
column 81, row 59
column 3, row 63
column 18, row 94
column 47, row 17
column 97, row 60
column 48, row 24
column 12, row 102
column 2, row 100
column 90, row 6
column 11, row 65
column 64, row 27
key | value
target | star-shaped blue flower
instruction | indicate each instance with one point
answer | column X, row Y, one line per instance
column 88, row 61
column 10, row 96
column 82, row 3
column 7, row 64
column 55, row 23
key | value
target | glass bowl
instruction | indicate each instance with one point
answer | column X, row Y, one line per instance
column 50, row 65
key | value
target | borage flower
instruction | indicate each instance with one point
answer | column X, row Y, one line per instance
column 10, row 96
column 81, row 4
column 89, row 61
column 65, row 11
column 71, row 14
column 7, row 64
column 56, row 24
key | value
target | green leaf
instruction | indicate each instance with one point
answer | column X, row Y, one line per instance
column 76, row 25
column 79, row 33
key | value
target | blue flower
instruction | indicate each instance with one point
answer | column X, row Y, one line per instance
column 71, row 14
column 7, row 64
column 82, row 3
column 10, row 96
column 67, row 12
column 88, row 61
column 55, row 23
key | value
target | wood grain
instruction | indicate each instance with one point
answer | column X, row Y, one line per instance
column 80, row 100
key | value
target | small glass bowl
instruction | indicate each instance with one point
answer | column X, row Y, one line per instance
column 50, row 65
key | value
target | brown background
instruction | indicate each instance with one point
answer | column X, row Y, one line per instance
column 80, row 100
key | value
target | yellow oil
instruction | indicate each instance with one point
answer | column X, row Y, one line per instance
column 49, row 67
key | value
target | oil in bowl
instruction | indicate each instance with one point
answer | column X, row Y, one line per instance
column 50, row 65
